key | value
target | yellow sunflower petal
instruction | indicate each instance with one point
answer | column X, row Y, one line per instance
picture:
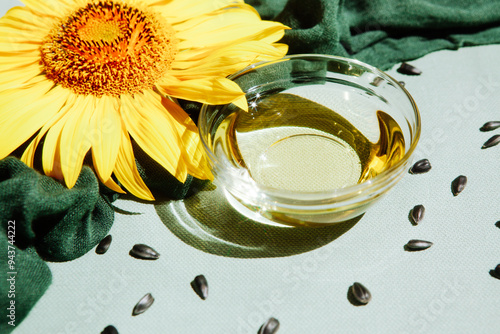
column 227, row 60
column 211, row 90
column 19, row 124
column 50, row 152
column 29, row 154
column 126, row 170
column 25, row 18
column 19, row 61
column 54, row 8
column 16, row 46
column 208, row 18
column 74, row 141
column 283, row 49
column 9, row 34
column 265, row 32
column 111, row 184
column 16, row 77
column 238, row 26
column 241, row 103
column 181, row 10
column 153, row 133
column 151, row 101
column 105, row 136
column 191, row 143
column 257, row 50
column 15, row 98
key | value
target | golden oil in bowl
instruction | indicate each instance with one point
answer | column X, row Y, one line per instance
column 324, row 138
column 289, row 142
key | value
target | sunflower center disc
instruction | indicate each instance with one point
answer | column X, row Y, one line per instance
column 109, row 48
column 100, row 30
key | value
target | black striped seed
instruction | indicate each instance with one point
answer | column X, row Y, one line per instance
column 417, row 245
column 103, row 246
column 143, row 305
column 271, row 326
column 144, row 252
column 458, row 185
column 200, row 286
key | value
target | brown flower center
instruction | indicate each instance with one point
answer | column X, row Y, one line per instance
column 109, row 48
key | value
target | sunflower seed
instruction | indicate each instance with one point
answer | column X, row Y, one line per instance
column 495, row 140
column 271, row 326
column 144, row 252
column 402, row 83
column 496, row 272
column 458, row 185
column 360, row 293
column 417, row 245
column 103, row 246
column 200, row 286
column 497, row 224
column 417, row 213
column 377, row 81
column 421, row 166
column 110, row 330
column 143, row 304
column 489, row 126
column 408, row 69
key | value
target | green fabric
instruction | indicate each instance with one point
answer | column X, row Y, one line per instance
column 52, row 223
column 30, row 278
column 383, row 32
column 61, row 224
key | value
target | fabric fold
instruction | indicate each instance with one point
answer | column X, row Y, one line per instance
column 61, row 224
column 42, row 220
column 380, row 32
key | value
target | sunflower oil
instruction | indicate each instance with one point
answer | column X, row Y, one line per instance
column 289, row 142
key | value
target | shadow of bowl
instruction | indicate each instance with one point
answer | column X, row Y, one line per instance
column 208, row 222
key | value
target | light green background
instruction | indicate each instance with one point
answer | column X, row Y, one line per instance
column 301, row 277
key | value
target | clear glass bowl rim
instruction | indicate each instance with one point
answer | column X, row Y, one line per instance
column 376, row 184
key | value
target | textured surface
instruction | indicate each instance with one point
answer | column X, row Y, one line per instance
column 301, row 276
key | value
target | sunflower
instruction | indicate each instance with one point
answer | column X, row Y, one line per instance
column 82, row 77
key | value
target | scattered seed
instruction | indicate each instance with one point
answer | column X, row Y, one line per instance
column 489, row 126
column 271, row 326
column 495, row 140
column 417, row 214
column 143, row 304
column 110, row 330
column 360, row 293
column 417, row 245
column 408, row 69
column 377, row 81
column 402, row 83
column 144, row 252
column 496, row 272
column 200, row 286
column 458, row 185
column 421, row 166
column 103, row 246
column 497, row 224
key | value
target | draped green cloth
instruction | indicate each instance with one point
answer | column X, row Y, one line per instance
column 383, row 32
column 42, row 220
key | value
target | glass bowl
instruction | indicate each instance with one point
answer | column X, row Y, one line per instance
column 323, row 139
